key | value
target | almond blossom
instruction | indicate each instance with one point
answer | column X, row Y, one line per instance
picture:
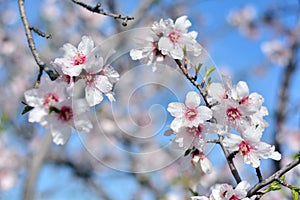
column 166, row 41
column 187, row 137
column 250, row 147
column 48, row 94
column 277, row 52
column 65, row 116
column 99, row 79
column 198, row 157
column 75, row 59
column 189, row 114
column 176, row 37
column 226, row 192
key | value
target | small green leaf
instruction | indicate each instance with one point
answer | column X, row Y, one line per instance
column 282, row 178
column 208, row 72
column 193, row 192
column 295, row 194
column 53, row 109
column 27, row 109
column 187, row 152
column 297, row 156
column 274, row 186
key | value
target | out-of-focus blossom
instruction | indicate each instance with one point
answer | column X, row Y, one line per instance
column 244, row 20
column 277, row 52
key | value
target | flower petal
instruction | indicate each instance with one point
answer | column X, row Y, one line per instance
column 93, row 96
column 176, row 109
column 192, row 99
column 103, row 84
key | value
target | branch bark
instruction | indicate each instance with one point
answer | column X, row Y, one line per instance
column 42, row 65
column 35, row 165
column 273, row 177
column 97, row 9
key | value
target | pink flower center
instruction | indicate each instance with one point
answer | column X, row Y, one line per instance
column 79, row 59
column 234, row 197
column 65, row 114
column 191, row 113
column 245, row 148
column 233, row 113
column 245, row 100
column 174, row 36
column 50, row 97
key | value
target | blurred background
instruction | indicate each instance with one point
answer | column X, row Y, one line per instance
column 255, row 41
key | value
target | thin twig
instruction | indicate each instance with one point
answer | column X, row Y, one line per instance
column 230, row 162
column 97, row 9
column 284, row 183
column 40, row 33
column 273, row 177
column 194, row 82
column 259, row 175
column 283, row 99
column 32, row 46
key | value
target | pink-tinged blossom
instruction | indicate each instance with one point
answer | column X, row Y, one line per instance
column 189, row 114
column 198, row 157
column 244, row 20
column 75, row 59
column 48, row 94
column 189, row 137
column 232, row 114
column 250, row 147
column 149, row 53
column 226, row 192
column 99, row 79
column 277, row 52
column 240, row 107
column 65, row 116
column 176, row 37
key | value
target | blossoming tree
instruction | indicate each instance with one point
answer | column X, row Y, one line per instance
column 84, row 90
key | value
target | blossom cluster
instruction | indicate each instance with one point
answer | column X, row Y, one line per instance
column 232, row 109
column 166, row 41
column 53, row 104
column 231, row 112
column 226, row 192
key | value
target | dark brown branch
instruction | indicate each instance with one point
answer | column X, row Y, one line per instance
column 97, row 9
column 283, row 99
column 32, row 46
column 194, row 82
column 40, row 33
column 230, row 162
column 259, row 175
column 273, row 177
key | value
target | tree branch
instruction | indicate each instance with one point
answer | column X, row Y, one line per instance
column 194, row 82
column 35, row 165
column 259, row 175
column 97, row 9
column 82, row 171
column 273, row 177
column 230, row 162
column 283, row 99
column 32, row 46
